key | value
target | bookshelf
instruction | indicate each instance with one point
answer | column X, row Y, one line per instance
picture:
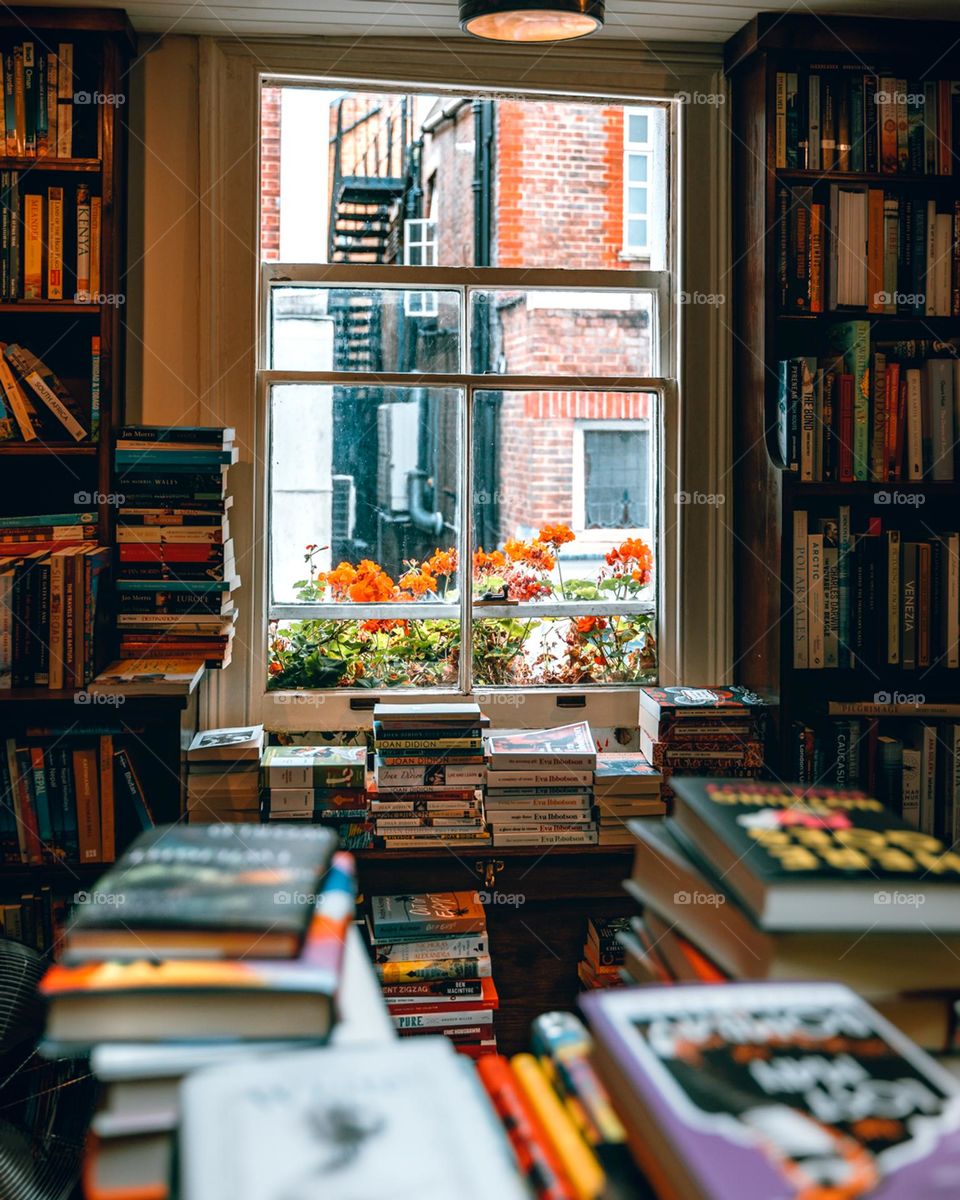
column 766, row 497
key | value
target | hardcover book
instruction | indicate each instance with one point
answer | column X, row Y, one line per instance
column 227, row 745
column 314, row 766
column 786, row 1090
column 417, row 918
column 563, row 746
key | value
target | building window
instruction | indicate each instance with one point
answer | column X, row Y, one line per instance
column 464, row 485
column 643, row 182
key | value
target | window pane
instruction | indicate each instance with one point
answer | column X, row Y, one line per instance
column 637, row 232
column 364, row 483
column 364, row 329
column 637, row 169
column 638, row 201
column 350, row 177
column 563, row 332
column 616, row 478
column 637, row 128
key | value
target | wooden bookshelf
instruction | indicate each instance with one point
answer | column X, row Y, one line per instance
column 765, row 496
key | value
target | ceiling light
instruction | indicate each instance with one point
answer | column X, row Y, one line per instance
column 531, row 20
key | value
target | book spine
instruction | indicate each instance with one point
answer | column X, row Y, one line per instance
column 29, row 99
column 801, row 652
column 88, row 817
column 909, row 607
column 107, row 814
column 95, row 386
column 844, row 550
column 96, row 226
column 55, row 243
column 83, row 244
column 33, row 247
column 815, row 595
column 893, row 598
column 56, row 406
column 65, row 90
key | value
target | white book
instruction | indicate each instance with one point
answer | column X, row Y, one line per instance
column 443, row 1020
column 940, row 400
column 928, row 779
column 910, row 808
column 545, row 839
column 914, row 418
column 815, row 598
column 801, row 652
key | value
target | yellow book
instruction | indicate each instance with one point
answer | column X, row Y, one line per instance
column 55, row 243
column 20, row 406
column 33, row 248
column 577, row 1159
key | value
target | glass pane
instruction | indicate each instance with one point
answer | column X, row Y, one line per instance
column 637, row 128
column 637, row 201
column 637, row 232
column 563, row 332
column 616, row 478
column 364, row 329
column 364, row 493
column 637, row 168
column 348, row 177
column 327, row 652
column 537, row 651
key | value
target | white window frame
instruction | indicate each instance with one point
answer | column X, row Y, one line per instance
column 651, row 151
column 584, row 425
column 695, row 568
column 420, row 234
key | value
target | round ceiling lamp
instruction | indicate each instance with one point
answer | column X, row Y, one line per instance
column 531, row 20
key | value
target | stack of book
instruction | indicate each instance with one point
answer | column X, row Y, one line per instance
column 199, row 940
column 428, row 769
column 897, row 424
column 905, row 752
column 175, row 572
column 33, row 919
column 754, row 880
column 874, row 596
column 774, row 1089
column 540, row 787
column 432, row 956
column 51, row 581
column 624, row 786
column 35, row 403
column 603, row 951
column 223, row 775
column 68, row 798
column 326, row 784
column 702, row 731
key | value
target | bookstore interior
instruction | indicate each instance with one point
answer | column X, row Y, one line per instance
column 414, row 785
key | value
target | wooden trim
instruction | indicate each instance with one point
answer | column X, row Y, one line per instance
column 72, row 20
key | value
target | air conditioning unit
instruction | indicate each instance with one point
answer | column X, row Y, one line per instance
column 343, row 509
column 398, row 431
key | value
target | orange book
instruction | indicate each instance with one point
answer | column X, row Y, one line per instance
column 107, row 819
column 816, row 258
column 88, row 808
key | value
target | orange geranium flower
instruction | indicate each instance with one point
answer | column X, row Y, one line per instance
column 383, row 626
column 515, row 550
column 339, row 579
column 590, row 624
column 441, row 562
column 494, row 561
column 556, row 535
column 522, row 585
column 540, row 557
column 418, row 581
column 372, row 584
column 632, row 551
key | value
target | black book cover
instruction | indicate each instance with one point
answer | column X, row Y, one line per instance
column 213, row 877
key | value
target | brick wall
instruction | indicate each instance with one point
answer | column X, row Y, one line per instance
column 270, row 174
column 448, row 165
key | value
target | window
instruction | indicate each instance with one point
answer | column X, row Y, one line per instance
column 643, row 181
column 466, row 435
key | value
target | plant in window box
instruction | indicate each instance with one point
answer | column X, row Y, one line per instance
column 523, row 648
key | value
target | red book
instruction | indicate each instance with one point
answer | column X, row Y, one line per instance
column 890, row 423
column 488, row 999
column 901, row 434
column 170, row 551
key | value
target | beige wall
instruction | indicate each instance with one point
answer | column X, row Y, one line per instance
column 163, row 326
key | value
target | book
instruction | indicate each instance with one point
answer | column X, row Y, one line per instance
column 417, row 918
column 314, row 766
column 236, row 744
column 415, row 1113
column 210, row 890
column 757, row 835
column 703, row 1119
column 565, row 745
column 148, row 676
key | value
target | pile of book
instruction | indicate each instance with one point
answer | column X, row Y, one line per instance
column 567, row 1139
column 51, row 580
column 35, row 403
column 773, row 1089
column 428, row 769
column 540, row 787
column 39, row 84
column 203, row 944
column 873, row 596
column 906, row 754
column 33, row 919
column 223, row 775
column 431, row 953
column 756, row 880
column 325, row 784
column 68, row 798
column 624, row 786
column 49, row 241
column 702, row 731
column 832, row 118
column 603, row 951
column 896, row 424
column 176, row 573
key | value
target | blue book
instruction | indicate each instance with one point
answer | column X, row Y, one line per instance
column 200, row 459
column 42, row 519
column 41, row 798
column 177, row 585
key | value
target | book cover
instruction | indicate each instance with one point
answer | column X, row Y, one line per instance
column 233, row 744
column 564, row 745
column 787, row 1090
column 314, row 766
column 415, row 918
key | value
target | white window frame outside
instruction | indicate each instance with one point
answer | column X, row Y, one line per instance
column 420, row 234
column 651, row 151
column 584, row 425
